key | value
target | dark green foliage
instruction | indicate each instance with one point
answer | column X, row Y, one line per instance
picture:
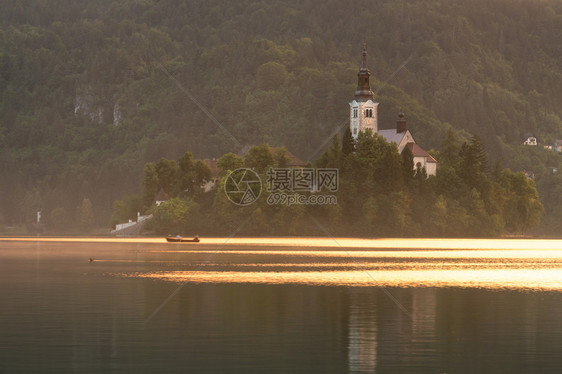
column 175, row 216
column 150, row 185
column 202, row 174
column 332, row 158
column 420, row 174
column 523, row 210
column 450, row 147
column 125, row 210
column 229, row 162
column 86, row 100
column 348, row 143
column 259, row 158
column 186, row 175
column 407, row 164
column 60, row 220
column 280, row 157
column 166, row 171
column 191, row 175
column 380, row 194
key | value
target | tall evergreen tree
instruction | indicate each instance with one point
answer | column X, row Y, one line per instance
column 407, row 164
column 348, row 143
column 449, row 155
column 150, row 185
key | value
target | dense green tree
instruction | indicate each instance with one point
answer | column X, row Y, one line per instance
column 408, row 164
column 167, row 171
column 229, row 162
column 175, row 216
column 370, row 215
column 420, row 174
column 523, row 209
column 203, row 175
column 126, row 209
column 473, row 164
column 150, row 185
column 348, row 143
column 271, row 75
column 450, row 147
column 191, row 175
column 332, row 158
column 280, row 157
column 438, row 217
column 259, row 158
column 185, row 175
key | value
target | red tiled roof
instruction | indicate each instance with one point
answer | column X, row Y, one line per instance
column 292, row 160
column 417, row 151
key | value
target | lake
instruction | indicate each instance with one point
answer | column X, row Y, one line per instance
column 280, row 305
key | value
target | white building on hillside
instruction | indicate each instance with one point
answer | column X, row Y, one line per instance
column 531, row 140
column 363, row 115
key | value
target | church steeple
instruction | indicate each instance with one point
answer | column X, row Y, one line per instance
column 363, row 92
column 363, row 112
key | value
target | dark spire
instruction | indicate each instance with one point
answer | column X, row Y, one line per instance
column 364, row 63
column 363, row 92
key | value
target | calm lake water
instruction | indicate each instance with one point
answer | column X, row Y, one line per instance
column 280, row 306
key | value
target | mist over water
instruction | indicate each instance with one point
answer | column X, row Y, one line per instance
column 280, row 305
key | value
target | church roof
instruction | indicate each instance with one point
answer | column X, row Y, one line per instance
column 292, row 160
column 417, row 151
column 392, row 136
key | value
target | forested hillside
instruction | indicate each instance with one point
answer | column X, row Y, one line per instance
column 91, row 91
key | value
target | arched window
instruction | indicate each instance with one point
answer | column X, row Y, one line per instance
column 369, row 113
column 355, row 112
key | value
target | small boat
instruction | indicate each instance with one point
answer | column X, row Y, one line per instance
column 179, row 239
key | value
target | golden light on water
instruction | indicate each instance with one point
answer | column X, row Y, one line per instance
column 491, row 264
column 524, row 264
column 523, row 279
column 469, row 254
column 391, row 243
column 491, row 269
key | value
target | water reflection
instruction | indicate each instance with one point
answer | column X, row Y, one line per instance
column 71, row 315
column 362, row 348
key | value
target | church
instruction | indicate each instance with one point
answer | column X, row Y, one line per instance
column 363, row 115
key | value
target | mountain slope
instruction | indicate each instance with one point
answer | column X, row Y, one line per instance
column 91, row 91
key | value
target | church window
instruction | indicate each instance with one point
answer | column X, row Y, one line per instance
column 355, row 112
column 369, row 113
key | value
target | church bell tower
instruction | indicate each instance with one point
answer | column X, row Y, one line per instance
column 363, row 109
